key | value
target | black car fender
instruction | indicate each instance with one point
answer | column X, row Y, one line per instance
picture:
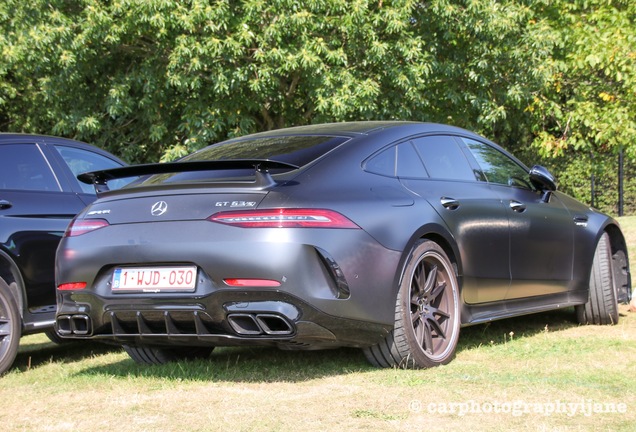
column 10, row 272
column 622, row 273
column 440, row 235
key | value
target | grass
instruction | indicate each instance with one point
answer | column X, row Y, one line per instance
column 539, row 372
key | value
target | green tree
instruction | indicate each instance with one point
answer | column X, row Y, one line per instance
column 586, row 112
column 160, row 78
column 151, row 79
column 589, row 102
column 156, row 79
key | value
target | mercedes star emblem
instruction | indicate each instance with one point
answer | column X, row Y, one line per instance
column 159, row 208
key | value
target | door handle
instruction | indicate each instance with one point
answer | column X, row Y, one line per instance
column 4, row 204
column 518, row 207
column 449, row 203
column 580, row 220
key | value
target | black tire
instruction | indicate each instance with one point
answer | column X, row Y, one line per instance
column 161, row 355
column 10, row 327
column 56, row 338
column 427, row 314
column 602, row 305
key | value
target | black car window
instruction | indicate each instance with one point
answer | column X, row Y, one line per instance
column 397, row 161
column 23, row 167
column 498, row 167
column 443, row 158
column 383, row 163
column 80, row 161
column 409, row 164
column 298, row 150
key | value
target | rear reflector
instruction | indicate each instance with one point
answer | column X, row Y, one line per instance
column 82, row 226
column 71, row 286
column 251, row 282
column 284, row 218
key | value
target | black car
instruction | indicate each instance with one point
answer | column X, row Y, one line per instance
column 39, row 195
column 387, row 236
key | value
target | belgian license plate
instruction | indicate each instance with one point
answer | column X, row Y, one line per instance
column 154, row 279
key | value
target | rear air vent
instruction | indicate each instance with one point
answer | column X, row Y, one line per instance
column 340, row 286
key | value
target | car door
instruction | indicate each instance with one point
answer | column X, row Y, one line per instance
column 541, row 233
column 34, row 212
column 470, row 208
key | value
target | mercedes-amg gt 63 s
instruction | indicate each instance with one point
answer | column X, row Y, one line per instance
column 387, row 236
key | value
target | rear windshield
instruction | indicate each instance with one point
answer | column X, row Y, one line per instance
column 298, row 150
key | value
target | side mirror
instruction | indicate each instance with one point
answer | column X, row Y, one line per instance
column 543, row 180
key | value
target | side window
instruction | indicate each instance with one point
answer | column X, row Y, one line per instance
column 397, row 161
column 80, row 161
column 498, row 167
column 409, row 164
column 382, row 163
column 23, row 167
column 443, row 158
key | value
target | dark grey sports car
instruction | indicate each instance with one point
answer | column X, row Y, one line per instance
column 387, row 236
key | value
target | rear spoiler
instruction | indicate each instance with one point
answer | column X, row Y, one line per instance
column 261, row 167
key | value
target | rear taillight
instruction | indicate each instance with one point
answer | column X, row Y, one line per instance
column 82, row 226
column 284, row 218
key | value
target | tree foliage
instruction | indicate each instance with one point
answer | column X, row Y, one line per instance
column 589, row 100
column 586, row 113
column 156, row 79
column 159, row 78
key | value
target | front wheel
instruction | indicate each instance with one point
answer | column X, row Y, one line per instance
column 427, row 316
column 10, row 327
column 602, row 304
column 162, row 355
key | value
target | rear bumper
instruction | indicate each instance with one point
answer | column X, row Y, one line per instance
column 225, row 318
column 337, row 287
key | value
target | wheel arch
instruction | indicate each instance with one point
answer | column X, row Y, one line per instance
column 617, row 240
column 620, row 260
column 10, row 272
column 443, row 238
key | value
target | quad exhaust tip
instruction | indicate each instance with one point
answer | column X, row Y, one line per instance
column 259, row 324
column 79, row 324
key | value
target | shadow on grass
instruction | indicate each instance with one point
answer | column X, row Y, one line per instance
column 501, row 331
column 246, row 364
column 33, row 355
column 258, row 364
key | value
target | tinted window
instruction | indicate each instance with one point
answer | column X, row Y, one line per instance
column 498, row 167
column 22, row 166
column 80, row 161
column 383, row 163
column 409, row 163
column 397, row 161
column 298, row 150
column 443, row 158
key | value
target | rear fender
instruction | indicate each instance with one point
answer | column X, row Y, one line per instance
column 439, row 235
column 10, row 272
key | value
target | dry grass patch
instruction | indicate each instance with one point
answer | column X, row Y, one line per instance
column 541, row 372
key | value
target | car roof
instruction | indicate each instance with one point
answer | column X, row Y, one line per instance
column 16, row 138
column 352, row 129
column 24, row 137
